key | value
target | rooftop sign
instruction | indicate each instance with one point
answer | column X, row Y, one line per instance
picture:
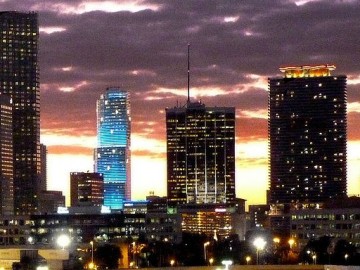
column 307, row 71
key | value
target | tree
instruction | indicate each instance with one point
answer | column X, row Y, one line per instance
column 107, row 255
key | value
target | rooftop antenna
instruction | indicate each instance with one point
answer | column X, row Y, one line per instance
column 188, row 100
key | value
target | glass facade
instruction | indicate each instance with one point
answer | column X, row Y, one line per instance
column 200, row 154
column 112, row 156
column 19, row 79
column 308, row 133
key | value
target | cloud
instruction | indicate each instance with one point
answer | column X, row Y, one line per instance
column 141, row 46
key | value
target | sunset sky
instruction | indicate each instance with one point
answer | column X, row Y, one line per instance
column 141, row 46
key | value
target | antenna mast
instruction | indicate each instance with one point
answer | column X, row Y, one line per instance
column 188, row 100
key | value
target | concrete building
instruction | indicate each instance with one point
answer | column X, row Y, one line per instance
column 338, row 219
column 214, row 220
column 86, row 188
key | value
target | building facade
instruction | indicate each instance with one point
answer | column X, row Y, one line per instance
column 308, row 135
column 200, row 154
column 6, row 157
column 112, row 155
column 43, row 168
column 50, row 201
column 338, row 223
column 214, row 220
column 19, row 78
column 86, row 188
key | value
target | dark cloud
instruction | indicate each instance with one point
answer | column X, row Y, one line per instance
column 105, row 49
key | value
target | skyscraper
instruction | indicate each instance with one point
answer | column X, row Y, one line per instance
column 43, row 168
column 308, row 134
column 200, row 154
column 19, row 79
column 6, row 157
column 112, row 155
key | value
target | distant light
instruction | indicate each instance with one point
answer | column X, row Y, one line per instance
column 62, row 210
column 105, row 209
column 42, row 267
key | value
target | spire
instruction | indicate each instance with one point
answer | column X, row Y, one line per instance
column 188, row 81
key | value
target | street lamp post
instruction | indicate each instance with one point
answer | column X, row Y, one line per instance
column 205, row 253
column 259, row 243
column 248, row 259
column 92, row 252
column 314, row 258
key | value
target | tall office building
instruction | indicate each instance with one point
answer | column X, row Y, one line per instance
column 19, row 79
column 42, row 186
column 6, row 157
column 86, row 188
column 112, row 155
column 308, row 134
column 200, row 154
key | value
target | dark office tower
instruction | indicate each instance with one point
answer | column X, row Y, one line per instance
column 307, row 129
column 200, row 154
column 86, row 188
column 6, row 157
column 112, row 155
column 43, row 169
column 19, row 79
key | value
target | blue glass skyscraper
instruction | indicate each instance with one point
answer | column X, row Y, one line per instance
column 112, row 155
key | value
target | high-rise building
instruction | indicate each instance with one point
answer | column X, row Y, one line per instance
column 43, row 169
column 112, row 155
column 6, row 157
column 200, row 154
column 19, row 79
column 308, row 134
column 86, row 188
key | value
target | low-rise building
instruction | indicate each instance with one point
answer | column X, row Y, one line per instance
column 338, row 220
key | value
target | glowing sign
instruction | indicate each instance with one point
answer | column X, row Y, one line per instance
column 307, row 71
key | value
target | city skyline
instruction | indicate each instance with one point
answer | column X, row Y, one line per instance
column 86, row 46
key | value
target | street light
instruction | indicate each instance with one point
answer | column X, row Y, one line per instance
column 205, row 245
column 211, row 261
column 314, row 258
column 248, row 259
column 291, row 242
column 227, row 263
column 276, row 240
column 63, row 240
column 259, row 243
column 346, row 256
